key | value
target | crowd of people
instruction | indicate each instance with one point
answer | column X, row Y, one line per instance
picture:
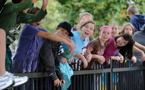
column 69, row 48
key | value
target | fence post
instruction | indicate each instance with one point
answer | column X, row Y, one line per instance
column 94, row 76
column 111, row 72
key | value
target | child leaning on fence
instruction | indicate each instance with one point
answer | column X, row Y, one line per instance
column 83, row 18
column 116, row 47
column 138, row 37
column 97, row 48
column 128, row 28
column 94, row 51
column 51, row 55
column 81, row 39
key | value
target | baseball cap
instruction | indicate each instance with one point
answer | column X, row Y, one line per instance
column 67, row 26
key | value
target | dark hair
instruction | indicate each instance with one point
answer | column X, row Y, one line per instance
column 128, row 37
column 33, row 10
column 95, row 44
column 127, row 50
column 65, row 25
column 16, row 1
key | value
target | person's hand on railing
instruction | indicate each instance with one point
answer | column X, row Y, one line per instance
column 133, row 59
column 63, row 60
column 57, row 83
column 121, row 59
column 143, row 56
column 115, row 58
column 88, row 56
column 118, row 58
column 99, row 58
column 83, row 59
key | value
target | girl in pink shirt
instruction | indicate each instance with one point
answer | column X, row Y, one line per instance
column 106, row 47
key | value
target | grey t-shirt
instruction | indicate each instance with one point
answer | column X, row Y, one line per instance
column 139, row 37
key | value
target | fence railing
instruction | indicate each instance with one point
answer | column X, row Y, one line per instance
column 115, row 76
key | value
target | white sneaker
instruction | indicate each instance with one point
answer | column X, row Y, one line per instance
column 18, row 80
column 5, row 81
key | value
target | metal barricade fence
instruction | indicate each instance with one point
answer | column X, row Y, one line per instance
column 115, row 76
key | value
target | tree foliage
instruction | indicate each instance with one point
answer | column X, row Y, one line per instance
column 104, row 11
column 54, row 16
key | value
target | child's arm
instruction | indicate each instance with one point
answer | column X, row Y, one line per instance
column 83, row 59
column 44, row 5
column 57, row 82
column 133, row 59
column 87, row 54
column 143, row 57
column 63, row 60
column 115, row 58
column 136, row 49
column 30, row 18
column 54, row 37
column 99, row 58
column 140, row 51
column 119, row 58
column 138, row 45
